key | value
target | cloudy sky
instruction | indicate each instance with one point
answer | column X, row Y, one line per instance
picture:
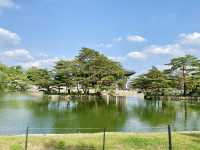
column 138, row 33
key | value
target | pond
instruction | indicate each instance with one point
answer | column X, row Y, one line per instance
column 17, row 111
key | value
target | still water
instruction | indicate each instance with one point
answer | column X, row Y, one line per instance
column 17, row 111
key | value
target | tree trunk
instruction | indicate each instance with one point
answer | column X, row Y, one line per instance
column 66, row 88
column 88, row 91
column 59, row 89
column 77, row 88
column 48, row 90
column 68, row 91
column 184, row 82
column 184, row 89
column 85, row 91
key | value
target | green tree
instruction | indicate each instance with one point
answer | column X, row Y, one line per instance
column 89, row 70
column 96, row 71
column 3, row 77
column 195, row 82
column 183, row 67
column 64, row 74
column 154, row 82
column 12, row 78
column 41, row 78
column 17, row 80
column 85, row 62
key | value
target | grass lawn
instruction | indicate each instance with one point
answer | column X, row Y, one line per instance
column 93, row 141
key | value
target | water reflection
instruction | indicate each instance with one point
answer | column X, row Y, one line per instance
column 155, row 113
column 81, row 112
column 118, row 113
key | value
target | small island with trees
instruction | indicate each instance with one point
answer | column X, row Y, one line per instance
column 88, row 73
column 91, row 72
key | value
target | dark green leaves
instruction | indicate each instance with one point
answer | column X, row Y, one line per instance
column 182, row 77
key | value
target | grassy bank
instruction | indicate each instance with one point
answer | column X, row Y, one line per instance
column 114, row 141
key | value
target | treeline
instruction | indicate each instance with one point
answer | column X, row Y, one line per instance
column 89, row 70
column 12, row 78
column 181, row 79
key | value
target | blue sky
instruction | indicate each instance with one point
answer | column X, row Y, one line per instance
column 139, row 33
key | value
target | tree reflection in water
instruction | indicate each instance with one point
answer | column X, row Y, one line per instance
column 94, row 112
column 155, row 113
column 83, row 112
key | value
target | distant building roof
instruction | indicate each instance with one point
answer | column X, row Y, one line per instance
column 129, row 73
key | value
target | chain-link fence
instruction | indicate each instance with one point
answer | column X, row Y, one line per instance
column 158, row 138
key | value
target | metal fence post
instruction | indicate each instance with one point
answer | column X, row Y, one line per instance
column 104, row 138
column 169, row 137
column 26, row 142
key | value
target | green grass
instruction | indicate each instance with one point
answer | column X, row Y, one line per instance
column 114, row 141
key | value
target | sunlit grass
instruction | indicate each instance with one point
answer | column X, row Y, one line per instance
column 114, row 141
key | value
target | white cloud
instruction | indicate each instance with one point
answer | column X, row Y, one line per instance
column 43, row 55
column 162, row 67
column 118, row 39
column 190, row 39
column 24, row 58
column 108, row 45
column 31, row 64
column 17, row 55
column 170, row 49
column 136, row 38
column 187, row 44
column 42, row 63
column 100, row 45
column 137, row 55
column 103, row 45
column 7, row 4
column 8, row 39
column 117, row 58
